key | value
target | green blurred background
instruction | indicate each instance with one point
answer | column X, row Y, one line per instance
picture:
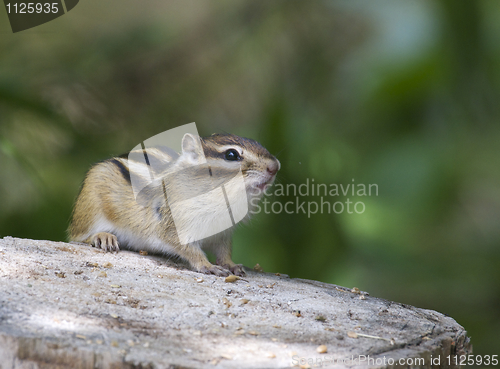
column 403, row 94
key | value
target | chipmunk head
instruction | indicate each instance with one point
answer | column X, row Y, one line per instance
column 232, row 152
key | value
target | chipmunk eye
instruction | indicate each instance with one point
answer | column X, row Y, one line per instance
column 232, row 155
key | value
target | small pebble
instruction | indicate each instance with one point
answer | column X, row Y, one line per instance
column 322, row 349
column 258, row 268
column 232, row 278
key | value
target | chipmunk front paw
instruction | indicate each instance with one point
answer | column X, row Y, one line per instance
column 216, row 270
column 237, row 269
column 105, row 241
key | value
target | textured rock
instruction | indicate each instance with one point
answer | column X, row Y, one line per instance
column 69, row 305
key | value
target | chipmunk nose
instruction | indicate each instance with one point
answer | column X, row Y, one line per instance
column 273, row 168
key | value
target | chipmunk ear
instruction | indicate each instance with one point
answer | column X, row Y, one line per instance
column 192, row 149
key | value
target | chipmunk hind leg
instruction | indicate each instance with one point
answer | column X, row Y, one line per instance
column 198, row 260
column 222, row 251
column 93, row 228
column 105, row 241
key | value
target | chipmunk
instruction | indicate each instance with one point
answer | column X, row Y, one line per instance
column 108, row 214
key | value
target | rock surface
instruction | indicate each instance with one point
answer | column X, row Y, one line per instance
column 73, row 306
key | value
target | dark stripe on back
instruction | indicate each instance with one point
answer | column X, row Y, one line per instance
column 122, row 168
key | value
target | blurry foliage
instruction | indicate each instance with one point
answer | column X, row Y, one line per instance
column 293, row 75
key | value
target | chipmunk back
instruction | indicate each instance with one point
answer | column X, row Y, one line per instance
column 109, row 215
